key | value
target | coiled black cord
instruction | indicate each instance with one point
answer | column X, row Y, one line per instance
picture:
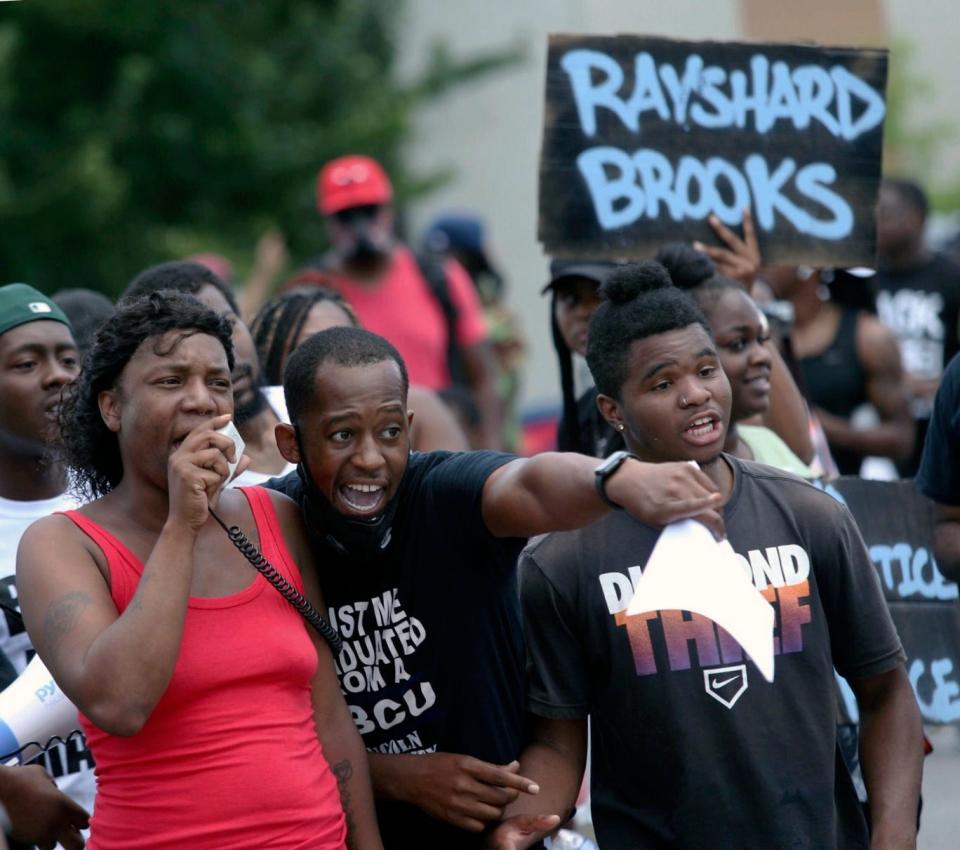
column 287, row 590
column 53, row 739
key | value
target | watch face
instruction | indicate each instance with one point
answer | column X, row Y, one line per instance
column 612, row 462
column 605, row 470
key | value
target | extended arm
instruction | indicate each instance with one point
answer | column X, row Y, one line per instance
column 556, row 491
column 336, row 731
column 269, row 260
column 555, row 758
column 891, row 755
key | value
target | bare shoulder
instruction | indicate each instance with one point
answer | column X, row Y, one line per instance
column 52, row 548
column 287, row 510
column 52, row 533
column 876, row 343
column 291, row 526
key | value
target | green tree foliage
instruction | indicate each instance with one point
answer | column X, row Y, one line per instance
column 134, row 131
column 912, row 147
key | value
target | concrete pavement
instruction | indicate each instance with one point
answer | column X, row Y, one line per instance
column 940, row 824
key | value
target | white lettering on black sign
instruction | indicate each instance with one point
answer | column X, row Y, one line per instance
column 663, row 134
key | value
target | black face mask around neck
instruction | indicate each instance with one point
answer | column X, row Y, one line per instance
column 363, row 540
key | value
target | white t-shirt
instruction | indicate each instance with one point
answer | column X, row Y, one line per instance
column 277, row 401
column 69, row 764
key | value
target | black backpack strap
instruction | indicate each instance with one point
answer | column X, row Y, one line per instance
column 432, row 271
column 431, row 268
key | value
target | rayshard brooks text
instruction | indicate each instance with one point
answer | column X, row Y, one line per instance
column 675, row 134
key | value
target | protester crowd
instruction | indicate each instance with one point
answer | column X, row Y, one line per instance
column 471, row 675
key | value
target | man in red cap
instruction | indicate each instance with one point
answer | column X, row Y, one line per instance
column 428, row 310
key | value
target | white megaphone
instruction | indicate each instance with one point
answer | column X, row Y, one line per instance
column 34, row 712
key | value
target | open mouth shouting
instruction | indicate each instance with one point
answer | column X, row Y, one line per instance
column 364, row 500
column 704, row 430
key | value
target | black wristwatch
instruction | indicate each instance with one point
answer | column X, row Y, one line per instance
column 605, row 470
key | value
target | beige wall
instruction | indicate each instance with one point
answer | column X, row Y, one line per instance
column 488, row 132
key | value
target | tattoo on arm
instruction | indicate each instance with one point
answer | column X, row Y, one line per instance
column 343, row 770
column 62, row 616
column 137, row 602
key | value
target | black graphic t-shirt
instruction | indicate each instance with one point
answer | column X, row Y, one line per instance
column 921, row 305
column 939, row 475
column 433, row 654
column 691, row 747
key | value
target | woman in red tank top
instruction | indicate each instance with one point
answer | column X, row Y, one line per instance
column 212, row 711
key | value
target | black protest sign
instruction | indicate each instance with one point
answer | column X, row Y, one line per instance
column 644, row 138
column 897, row 525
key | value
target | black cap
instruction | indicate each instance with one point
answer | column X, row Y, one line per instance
column 561, row 268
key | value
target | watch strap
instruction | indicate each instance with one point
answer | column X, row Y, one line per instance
column 605, row 470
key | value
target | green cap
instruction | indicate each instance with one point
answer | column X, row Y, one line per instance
column 20, row 304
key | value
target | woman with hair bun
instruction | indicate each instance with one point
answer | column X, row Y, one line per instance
column 679, row 718
column 768, row 419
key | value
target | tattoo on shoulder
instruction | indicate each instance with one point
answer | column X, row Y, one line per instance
column 343, row 770
column 62, row 616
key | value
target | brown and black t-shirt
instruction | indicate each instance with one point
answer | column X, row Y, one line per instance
column 691, row 747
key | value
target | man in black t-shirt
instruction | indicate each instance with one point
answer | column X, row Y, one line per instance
column 417, row 558
column 691, row 749
column 939, row 474
column 917, row 295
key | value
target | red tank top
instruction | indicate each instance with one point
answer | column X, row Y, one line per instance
column 229, row 758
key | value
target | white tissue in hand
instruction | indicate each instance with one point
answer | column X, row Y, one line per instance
column 688, row 570
column 230, row 430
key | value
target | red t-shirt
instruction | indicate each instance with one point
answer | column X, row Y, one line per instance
column 401, row 308
column 229, row 759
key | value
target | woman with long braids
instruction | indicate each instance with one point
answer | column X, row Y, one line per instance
column 309, row 307
column 213, row 712
column 286, row 320
column 574, row 287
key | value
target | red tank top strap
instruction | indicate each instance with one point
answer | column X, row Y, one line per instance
column 272, row 545
column 125, row 570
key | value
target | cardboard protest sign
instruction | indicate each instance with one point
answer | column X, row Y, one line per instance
column 644, row 138
column 897, row 525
